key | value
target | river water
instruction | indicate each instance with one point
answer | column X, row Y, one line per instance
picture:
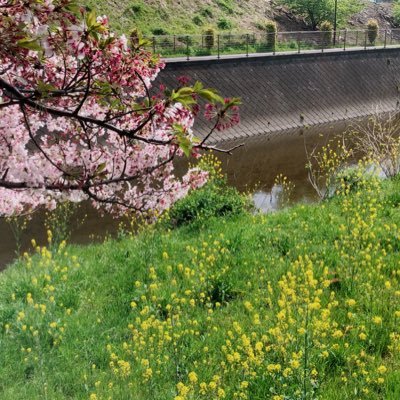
column 252, row 168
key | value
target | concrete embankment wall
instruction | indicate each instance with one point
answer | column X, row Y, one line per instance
column 280, row 93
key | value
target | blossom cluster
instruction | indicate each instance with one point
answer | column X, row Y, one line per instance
column 78, row 119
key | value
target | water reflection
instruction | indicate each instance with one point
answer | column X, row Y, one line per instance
column 252, row 168
column 255, row 166
column 268, row 201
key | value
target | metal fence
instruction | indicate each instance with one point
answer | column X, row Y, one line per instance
column 219, row 45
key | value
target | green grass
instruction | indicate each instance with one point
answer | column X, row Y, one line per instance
column 171, row 17
column 241, row 306
column 185, row 17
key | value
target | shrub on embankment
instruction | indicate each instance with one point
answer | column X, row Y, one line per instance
column 326, row 28
column 373, row 30
column 295, row 305
column 215, row 199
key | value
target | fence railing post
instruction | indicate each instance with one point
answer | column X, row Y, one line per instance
column 163, row 45
column 322, row 38
column 298, row 42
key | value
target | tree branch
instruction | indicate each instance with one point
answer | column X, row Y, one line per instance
column 131, row 134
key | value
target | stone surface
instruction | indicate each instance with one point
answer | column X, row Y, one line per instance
column 296, row 90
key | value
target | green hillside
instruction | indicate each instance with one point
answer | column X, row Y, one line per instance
column 176, row 17
column 171, row 16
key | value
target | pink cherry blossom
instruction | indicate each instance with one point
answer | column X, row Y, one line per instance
column 79, row 119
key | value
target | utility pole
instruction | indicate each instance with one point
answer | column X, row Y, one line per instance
column 335, row 24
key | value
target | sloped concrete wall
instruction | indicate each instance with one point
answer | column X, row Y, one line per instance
column 284, row 92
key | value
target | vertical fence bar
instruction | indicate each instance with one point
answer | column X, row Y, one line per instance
column 265, row 43
column 298, row 42
column 266, row 48
column 275, row 41
column 322, row 37
column 163, row 45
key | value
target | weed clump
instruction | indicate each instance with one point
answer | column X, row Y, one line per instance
column 224, row 23
column 209, row 39
column 215, row 199
column 373, row 30
column 271, row 30
column 326, row 28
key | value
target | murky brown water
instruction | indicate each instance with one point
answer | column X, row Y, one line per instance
column 253, row 167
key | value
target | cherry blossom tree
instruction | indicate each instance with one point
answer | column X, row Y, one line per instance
column 78, row 118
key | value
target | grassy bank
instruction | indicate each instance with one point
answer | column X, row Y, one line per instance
column 160, row 17
column 156, row 17
column 302, row 304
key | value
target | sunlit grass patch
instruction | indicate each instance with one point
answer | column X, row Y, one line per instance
column 295, row 305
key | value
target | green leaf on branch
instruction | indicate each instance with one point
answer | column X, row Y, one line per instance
column 72, row 7
column 90, row 19
column 101, row 167
column 234, row 101
column 196, row 140
column 104, row 43
column 137, row 41
column 30, row 44
column 198, row 86
column 45, row 88
column 104, row 88
column 94, row 28
column 101, row 171
column 211, row 96
column 183, row 140
column 184, row 95
column 187, row 95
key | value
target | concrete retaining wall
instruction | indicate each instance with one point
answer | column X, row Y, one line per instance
column 285, row 92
